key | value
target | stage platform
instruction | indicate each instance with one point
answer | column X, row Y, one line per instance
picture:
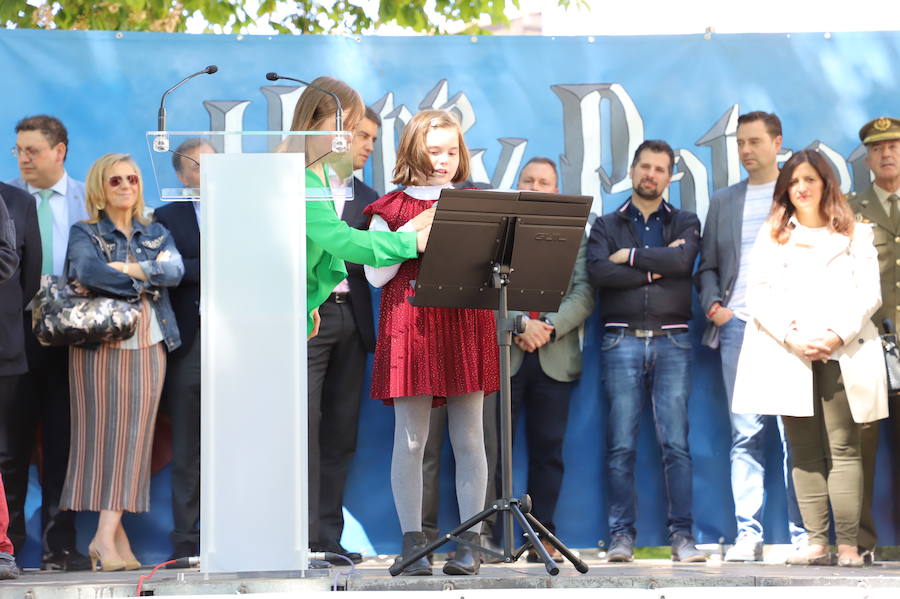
column 652, row 578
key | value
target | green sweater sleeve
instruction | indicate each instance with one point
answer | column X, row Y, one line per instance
column 375, row 248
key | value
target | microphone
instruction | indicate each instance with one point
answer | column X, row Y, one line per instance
column 339, row 143
column 161, row 141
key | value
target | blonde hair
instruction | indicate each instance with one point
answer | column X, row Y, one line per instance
column 413, row 161
column 95, row 187
column 314, row 105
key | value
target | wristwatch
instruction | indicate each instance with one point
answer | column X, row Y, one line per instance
column 550, row 322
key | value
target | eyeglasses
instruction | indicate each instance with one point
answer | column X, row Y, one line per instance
column 116, row 180
column 29, row 152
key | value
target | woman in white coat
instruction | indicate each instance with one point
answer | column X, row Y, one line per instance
column 811, row 353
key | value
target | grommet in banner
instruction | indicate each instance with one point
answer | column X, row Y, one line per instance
column 119, row 35
column 707, row 35
column 239, row 37
column 474, row 39
column 828, row 35
column 590, row 39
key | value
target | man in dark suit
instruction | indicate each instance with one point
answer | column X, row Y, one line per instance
column 20, row 245
column 182, row 386
column 336, row 369
column 42, row 146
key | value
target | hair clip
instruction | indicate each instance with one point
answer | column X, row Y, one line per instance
column 435, row 123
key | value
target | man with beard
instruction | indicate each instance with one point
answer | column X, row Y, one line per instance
column 640, row 259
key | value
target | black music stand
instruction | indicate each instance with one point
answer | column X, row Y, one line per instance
column 498, row 251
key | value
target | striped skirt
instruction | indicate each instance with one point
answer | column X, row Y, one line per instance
column 114, row 395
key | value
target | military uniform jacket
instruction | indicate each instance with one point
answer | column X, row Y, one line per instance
column 887, row 241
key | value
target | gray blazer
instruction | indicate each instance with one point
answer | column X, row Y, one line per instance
column 561, row 359
column 720, row 252
column 75, row 197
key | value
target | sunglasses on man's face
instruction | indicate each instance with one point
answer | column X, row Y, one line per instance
column 116, row 180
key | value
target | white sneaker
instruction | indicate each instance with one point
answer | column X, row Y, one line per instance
column 744, row 550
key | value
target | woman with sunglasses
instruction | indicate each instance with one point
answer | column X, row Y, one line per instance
column 115, row 387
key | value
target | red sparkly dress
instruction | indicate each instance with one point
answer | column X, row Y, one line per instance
column 439, row 352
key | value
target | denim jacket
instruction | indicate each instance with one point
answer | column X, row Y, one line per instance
column 86, row 262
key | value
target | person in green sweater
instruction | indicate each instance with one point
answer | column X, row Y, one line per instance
column 329, row 240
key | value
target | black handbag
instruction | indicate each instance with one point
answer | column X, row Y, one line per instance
column 891, row 357
column 65, row 313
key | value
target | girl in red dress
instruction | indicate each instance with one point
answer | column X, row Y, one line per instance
column 427, row 357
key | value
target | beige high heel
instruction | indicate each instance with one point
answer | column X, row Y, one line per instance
column 132, row 564
column 106, row 565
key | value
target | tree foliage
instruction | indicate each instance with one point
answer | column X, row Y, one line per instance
column 305, row 16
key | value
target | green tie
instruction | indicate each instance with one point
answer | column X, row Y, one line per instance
column 895, row 212
column 45, row 222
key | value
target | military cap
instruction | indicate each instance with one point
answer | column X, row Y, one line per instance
column 880, row 129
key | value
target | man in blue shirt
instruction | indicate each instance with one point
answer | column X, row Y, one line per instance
column 640, row 258
column 42, row 144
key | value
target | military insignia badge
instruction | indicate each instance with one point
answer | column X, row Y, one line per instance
column 882, row 124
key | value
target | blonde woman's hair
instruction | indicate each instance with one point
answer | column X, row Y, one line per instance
column 314, row 105
column 95, row 187
column 413, row 161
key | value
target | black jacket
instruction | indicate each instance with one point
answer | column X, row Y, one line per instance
column 181, row 220
column 24, row 281
column 628, row 294
column 360, row 293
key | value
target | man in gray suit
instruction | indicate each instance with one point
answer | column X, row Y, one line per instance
column 545, row 361
column 733, row 221
column 42, row 144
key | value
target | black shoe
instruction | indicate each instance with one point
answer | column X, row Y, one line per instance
column 621, row 549
column 467, row 560
column 867, row 555
column 8, row 567
column 338, row 549
column 65, row 560
column 184, row 549
column 684, row 549
column 413, row 542
column 488, row 543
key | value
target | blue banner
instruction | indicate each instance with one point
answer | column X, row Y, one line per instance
column 586, row 102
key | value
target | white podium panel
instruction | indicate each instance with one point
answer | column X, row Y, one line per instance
column 254, row 421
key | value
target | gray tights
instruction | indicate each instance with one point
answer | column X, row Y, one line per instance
column 464, row 415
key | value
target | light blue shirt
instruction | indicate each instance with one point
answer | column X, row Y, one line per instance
column 67, row 204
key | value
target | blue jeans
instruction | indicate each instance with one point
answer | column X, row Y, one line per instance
column 747, row 451
column 635, row 369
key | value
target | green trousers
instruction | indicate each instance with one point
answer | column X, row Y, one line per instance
column 827, row 457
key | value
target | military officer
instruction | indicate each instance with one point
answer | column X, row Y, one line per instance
column 878, row 204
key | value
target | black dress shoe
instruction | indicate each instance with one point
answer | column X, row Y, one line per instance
column 184, row 549
column 65, row 560
column 467, row 560
column 338, row 549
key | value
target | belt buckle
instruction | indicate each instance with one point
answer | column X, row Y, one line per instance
column 643, row 333
column 340, row 298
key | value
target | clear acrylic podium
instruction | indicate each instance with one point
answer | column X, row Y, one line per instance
column 254, row 500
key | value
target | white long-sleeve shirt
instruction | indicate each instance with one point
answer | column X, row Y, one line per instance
column 379, row 276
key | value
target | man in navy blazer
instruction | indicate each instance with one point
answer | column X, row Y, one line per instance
column 20, row 271
column 42, row 145
column 336, row 360
column 734, row 218
column 182, row 386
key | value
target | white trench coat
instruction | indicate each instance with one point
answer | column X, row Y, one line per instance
column 841, row 274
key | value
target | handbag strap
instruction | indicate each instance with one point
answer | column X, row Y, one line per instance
column 95, row 236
